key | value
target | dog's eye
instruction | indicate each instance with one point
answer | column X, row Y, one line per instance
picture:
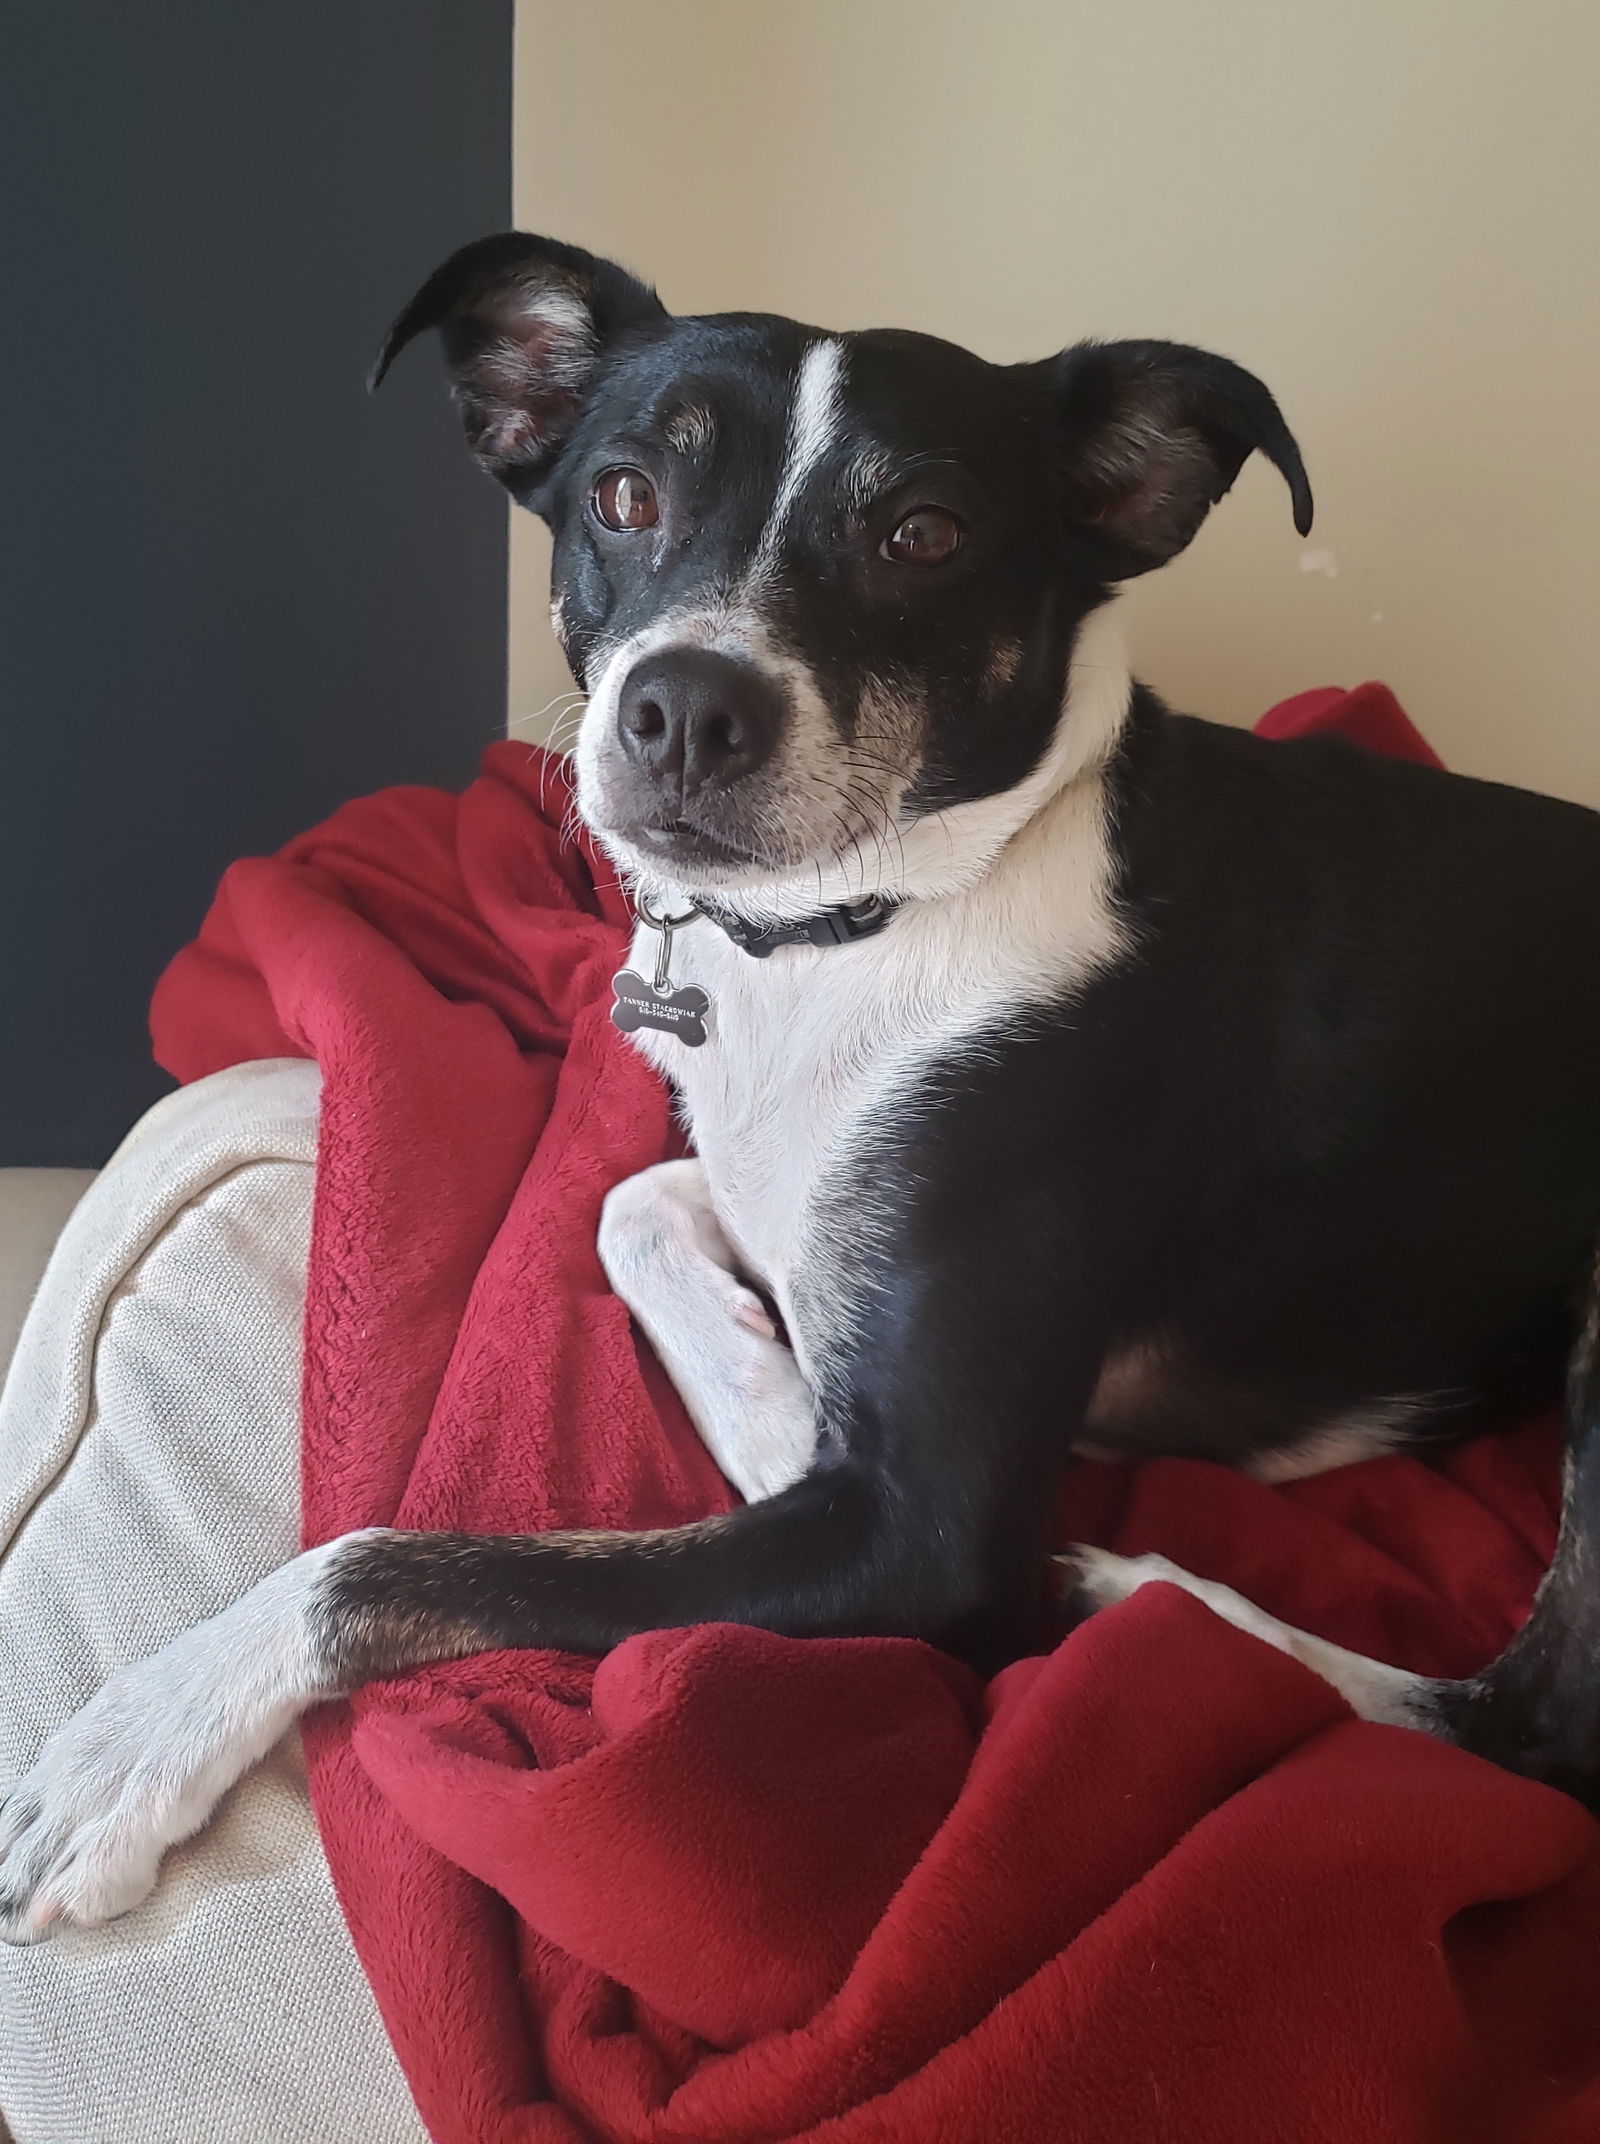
column 626, row 499
column 925, row 538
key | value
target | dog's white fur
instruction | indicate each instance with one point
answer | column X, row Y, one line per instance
column 667, row 1258
column 813, row 425
column 1389, row 1696
column 145, row 1762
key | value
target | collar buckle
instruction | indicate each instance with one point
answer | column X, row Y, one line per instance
column 845, row 924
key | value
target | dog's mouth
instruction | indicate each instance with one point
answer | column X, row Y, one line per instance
column 680, row 841
column 698, row 859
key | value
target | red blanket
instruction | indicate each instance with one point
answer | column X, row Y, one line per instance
column 1157, row 1885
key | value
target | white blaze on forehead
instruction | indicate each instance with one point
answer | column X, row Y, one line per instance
column 813, row 427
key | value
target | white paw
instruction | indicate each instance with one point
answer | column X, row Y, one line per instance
column 1099, row 1579
column 149, row 1757
column 82, row 1835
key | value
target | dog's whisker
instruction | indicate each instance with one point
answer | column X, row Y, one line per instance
column 551, row 753
column 561, row 739
column 562, row 699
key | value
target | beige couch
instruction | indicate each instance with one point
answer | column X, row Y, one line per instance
column 34, row 1204
column 149, row 1430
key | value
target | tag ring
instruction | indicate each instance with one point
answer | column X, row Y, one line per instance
column 648, row 915
column 666, row 925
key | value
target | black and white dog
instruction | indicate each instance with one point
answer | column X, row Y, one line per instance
column 1063, row 1073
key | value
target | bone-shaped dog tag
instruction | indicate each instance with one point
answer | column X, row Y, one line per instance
column 672, row 1012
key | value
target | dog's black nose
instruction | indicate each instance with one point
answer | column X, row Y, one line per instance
column 692, row 719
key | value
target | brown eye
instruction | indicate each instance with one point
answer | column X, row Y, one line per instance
column 925, row 538
column 626, row 499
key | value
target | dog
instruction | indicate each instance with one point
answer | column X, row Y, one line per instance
column 1063, row 1073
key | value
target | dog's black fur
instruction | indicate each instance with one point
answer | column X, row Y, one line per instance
column 1327, row 1139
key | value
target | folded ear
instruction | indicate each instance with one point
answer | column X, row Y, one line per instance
column 524, row 323
column 1154, row 434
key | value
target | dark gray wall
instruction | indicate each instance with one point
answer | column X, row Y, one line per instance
column 233, row 589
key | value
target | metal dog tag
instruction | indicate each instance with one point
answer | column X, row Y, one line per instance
column 671, row 1012
column 656, row 1004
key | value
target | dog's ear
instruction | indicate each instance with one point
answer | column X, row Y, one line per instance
column 1153, row 434
column 524, row 322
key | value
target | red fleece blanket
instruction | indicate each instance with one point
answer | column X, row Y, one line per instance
column 1156, row 1885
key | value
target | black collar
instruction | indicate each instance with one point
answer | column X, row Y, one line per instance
column 842, row 925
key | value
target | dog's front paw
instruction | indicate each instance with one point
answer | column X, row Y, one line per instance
column 82, row 1835
column 147, row 1760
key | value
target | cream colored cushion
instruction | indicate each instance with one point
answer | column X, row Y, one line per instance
column 149, row 1474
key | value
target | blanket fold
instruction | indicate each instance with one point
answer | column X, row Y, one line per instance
column 1156, row 1884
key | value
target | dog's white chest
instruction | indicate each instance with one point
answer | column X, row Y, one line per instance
column 799, row 1045
column 814, row 1054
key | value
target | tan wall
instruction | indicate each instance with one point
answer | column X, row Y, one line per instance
column 1387, row 208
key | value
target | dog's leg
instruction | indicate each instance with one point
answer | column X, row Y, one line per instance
column 1093, row 1578
column 667, row 1258
column 147, row 1759
column 909, row 1524
column 925, row 1514
column 145, row 1762
column 1535, row 1709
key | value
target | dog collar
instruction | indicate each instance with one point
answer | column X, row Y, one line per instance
column 845, row 924
column 685, row 1013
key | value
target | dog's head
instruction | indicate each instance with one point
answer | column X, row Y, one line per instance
column 823, row 591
